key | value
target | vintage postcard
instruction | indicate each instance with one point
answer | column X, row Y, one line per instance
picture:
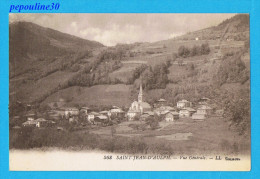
column 129, row 92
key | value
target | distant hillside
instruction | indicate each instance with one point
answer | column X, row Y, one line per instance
column 234, row 28
column 29, row 43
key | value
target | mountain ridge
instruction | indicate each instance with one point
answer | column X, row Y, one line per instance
column 45, row 68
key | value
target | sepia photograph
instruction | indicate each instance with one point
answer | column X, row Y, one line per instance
column 138, row 92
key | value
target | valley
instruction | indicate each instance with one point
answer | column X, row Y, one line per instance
column 54, row 75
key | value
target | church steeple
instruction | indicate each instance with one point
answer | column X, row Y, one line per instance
column 140, row 95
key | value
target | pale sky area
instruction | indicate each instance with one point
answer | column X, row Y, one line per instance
column 110, row 29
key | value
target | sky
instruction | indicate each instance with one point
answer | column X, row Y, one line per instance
column 111, row 29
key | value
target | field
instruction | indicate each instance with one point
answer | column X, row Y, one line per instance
column 186, row 136
column 33, row 90
column 96, row 95
column 124, row 72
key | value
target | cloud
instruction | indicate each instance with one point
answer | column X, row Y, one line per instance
column 111, row 29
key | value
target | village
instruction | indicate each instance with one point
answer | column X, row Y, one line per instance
column 138, row 111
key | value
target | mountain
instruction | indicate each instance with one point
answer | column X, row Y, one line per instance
column 46, row 65
column 29, row 43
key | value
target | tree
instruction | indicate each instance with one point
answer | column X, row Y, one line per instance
column 238, row 111
column 195, row 50
column 183, row 51
column 152, row 122
column 205, row 49
column 137, row 118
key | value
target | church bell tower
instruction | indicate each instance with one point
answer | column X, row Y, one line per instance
column 140, row 95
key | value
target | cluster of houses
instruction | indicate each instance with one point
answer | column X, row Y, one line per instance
column 142, row 110
column 93, row 117
column 36, row 122
column 72, row 114
column 139, row 110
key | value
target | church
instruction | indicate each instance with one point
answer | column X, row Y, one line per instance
column 138, row 107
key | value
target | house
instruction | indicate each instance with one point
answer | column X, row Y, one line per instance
column 104, row 112
column 40, row 122
column 202, row 113
column 116, row 111
column 171, row 116
column 29, row 123
column 132, row 113
column 163, row 110
column 204, row 100
column 84, row 110
column 91, row 116
column 160, row 102
column 191, row 110
column 138, row 107
column 144, row 116
column 56, row 113
column 184, row 113
column 151, row 113
column 183, row 104
column 53, row 115
column 100, row 119
column 71, row 111
column 207, row 110
column 30, row 115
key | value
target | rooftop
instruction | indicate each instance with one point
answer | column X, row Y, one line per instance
column 173, row 113
column 102, row 117
column 40, row 120
column 85, row 108
column 69, row 108
column 145, row 104
column 183, row 101
column 190, row 109
column 103, row 112
column 94, row 113
column 205, row 107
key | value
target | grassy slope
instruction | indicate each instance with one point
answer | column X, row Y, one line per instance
column 96, row 95
column 33, row 90
column 203, row 64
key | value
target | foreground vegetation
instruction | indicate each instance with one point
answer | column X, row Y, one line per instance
column 27, row 138
column 212, row 136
